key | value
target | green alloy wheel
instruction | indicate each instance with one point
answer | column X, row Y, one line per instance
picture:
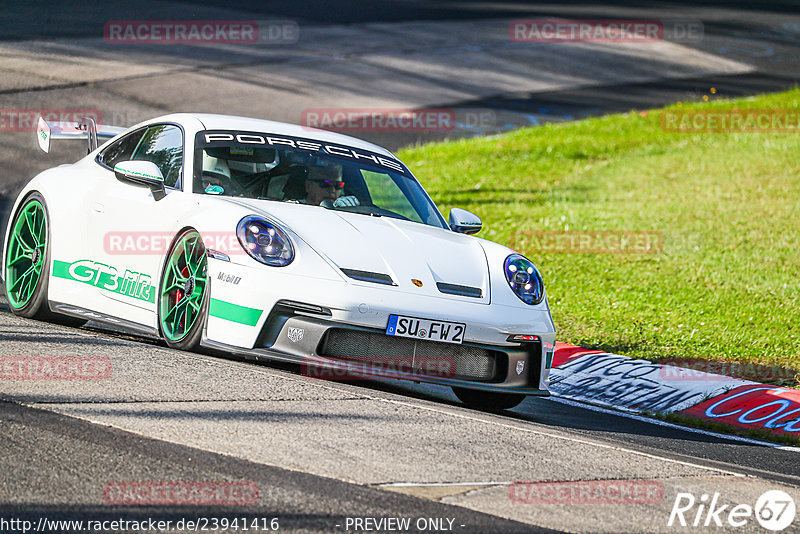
column 182, row 298
column 27, row 259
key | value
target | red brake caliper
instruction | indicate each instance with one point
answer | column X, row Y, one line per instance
column 179, row 292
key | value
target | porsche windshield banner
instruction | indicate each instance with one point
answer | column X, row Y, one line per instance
column 243, row 140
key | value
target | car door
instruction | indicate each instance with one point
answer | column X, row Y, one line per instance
column 133, row 227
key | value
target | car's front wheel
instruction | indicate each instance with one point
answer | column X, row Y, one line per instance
column 183, row 292
column 488, row 400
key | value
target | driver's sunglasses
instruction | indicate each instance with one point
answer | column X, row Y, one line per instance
column 329, row 183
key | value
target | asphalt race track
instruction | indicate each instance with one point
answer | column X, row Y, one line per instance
column 320, row 452
column 324, row 453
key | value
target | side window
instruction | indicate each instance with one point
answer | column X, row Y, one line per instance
column 163, row 145
column 121, row 150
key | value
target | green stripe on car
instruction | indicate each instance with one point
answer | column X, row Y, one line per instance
column 234, row 312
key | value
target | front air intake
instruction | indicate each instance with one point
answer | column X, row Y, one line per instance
column 464, row 291
column 464, row 362
column 368, row 276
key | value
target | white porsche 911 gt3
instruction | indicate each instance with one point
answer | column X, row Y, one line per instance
column 278, row 242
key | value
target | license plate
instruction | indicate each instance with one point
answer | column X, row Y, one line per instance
column 413, row 327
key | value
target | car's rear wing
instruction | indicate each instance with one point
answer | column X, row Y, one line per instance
column 84, row 128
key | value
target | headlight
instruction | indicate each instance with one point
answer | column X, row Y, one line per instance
column 524, row 279
column 264, row 241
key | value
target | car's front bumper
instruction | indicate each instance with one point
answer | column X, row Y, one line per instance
column 304, row 338
column 276, row 316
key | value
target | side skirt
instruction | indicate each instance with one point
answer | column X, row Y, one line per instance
column 89, row 315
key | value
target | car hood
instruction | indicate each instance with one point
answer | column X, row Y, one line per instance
column 404, row 250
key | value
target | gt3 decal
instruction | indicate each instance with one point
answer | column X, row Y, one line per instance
column 106, row 277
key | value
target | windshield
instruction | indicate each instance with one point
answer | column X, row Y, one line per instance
column 305, row 171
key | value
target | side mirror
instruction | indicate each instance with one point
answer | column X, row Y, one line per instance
column 142, row 173
column 464, row 222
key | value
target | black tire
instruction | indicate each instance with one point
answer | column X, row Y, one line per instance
column 190, row 341
column 489, row 401
column 36, row 306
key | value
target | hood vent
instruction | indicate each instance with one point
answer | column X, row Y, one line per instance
column 464, row 291
column 368, row 276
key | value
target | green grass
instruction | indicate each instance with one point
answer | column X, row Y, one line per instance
column 726, row 284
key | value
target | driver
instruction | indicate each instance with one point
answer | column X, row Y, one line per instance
column 324, row 186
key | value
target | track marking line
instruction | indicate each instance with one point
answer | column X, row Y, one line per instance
column 438, row 484
column 630, row 415
column 94, row 402
column 564, row 438
column 509, row 482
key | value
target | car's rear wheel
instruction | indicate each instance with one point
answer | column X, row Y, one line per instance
column 27, row 259
column 27, row 264
column 183, row 292
column 488, row 400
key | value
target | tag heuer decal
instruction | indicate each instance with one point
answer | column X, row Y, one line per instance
column 295, row 334
column 520, row 366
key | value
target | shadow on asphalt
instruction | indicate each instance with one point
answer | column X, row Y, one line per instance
column 69, row 18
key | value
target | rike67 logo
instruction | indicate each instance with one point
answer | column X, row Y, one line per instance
column 774, row 510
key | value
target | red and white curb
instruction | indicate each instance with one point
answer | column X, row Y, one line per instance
column 640, row 386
